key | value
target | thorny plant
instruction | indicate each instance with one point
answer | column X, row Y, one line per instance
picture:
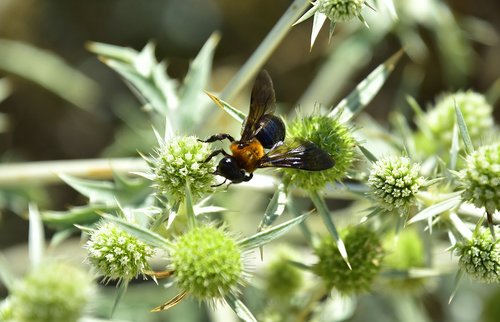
column 406, row 187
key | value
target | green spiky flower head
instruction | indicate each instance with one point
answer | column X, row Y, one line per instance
column 179, row 161
column 208, row 263
column 394, row 182
column 479, row 257
column 54, row 291
column 340, row 10
column 330, row 135
column 116, row 254
column 477, row 113
column 283, row 279
column 365, row 251
column 481, row 178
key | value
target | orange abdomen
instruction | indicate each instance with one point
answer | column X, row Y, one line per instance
column 248, row 155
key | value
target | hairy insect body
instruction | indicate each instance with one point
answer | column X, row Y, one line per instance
column 247, row 155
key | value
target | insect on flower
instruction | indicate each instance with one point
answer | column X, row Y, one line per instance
column 263, row 130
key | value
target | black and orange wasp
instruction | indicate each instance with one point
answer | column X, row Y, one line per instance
column 264, row 130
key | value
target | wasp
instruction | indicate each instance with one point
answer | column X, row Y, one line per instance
column 261, row 131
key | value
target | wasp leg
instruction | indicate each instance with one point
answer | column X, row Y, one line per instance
column 218, row 185
column 218, row 137
column 215, row 153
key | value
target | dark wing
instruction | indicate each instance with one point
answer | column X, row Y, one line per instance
column 298, row 154
column 261, row 103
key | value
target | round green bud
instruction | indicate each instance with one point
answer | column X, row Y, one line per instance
column 116, row 254
column 329, row 135
column 53, row 291
column 365, row 252
column 179, row 161
column 394, row 182
column 479, row 257
column 282, row 278
column 481, row 178
column 207, row 263
column 340, row 10
column 477, row 113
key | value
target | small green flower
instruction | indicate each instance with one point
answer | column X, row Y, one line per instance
column 53, row 291
column 182, row 160
column 365, row 255
column 207, row 263
column 394, row 182
column 477, row 113
column 481, row 178
column 330, row 135
column 480, row 257
column 341, row 10
column 116, row 254
column 283, row 279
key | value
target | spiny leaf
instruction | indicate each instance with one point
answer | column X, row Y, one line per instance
column 232, row 111
column 76, row 215
column 124, row 54
column 469, row 147
column 318, row 21
column 240, row 309
column 266, row 236
column 323, row 211
column 274, row 210
column 372, row 158
column 188, row 201
column 191, row 100
column 357, row 100
column 437, row 208
column 171, row 303
column 142, row 234
column 309, row 13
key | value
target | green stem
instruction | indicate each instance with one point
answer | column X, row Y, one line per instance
column 265, row 49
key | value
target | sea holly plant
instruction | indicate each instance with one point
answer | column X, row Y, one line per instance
column 396, row 192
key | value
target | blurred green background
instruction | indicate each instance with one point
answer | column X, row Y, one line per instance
column 60, row 102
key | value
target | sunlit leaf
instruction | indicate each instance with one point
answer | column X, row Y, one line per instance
column 357, row 100
column 318, row 21
column 437, row 208
column 232, row 111
column 266, row 236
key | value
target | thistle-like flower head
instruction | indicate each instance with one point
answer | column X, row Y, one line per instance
column 331, row 136
column 479, row 257
column 116, row 254
column 54, row 291
column 394, row 182
column 365, row 255
column 179, row 161
column 341, row 10
column 208, row 263
column 481, row 178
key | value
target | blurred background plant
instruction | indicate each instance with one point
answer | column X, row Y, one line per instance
column 58, row 102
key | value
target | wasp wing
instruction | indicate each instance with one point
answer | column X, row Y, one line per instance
column 298, row 154
column 262, row 102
